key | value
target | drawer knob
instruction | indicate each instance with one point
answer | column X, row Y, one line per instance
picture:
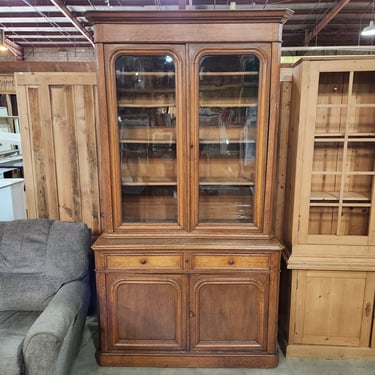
column 143, row 261
column 231, row 261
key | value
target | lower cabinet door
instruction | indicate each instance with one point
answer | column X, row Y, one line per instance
column 148, row 312
column 229, row 312
column 333, row 307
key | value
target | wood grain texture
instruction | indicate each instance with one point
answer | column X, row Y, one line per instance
column 58, row 132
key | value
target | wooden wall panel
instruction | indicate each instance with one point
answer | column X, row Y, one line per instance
column 58, row 132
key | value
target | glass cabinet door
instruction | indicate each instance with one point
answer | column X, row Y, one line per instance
column 146, row 108
column 228, row 121
column 342, row 184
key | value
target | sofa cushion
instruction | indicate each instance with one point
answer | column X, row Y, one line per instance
column 28, row 292
column 13, row 328
column 37, row 257
column 68, row 250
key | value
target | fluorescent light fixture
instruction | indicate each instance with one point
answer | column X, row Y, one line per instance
column 3, row 47
column 369, row 30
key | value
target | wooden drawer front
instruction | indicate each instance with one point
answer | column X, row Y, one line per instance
column 144, row 261
column 231, row 261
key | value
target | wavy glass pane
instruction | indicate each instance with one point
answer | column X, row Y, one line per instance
column 146, row 100
column 228, row 122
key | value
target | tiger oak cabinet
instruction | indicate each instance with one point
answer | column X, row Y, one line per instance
column 330, row 227
column 187, row 266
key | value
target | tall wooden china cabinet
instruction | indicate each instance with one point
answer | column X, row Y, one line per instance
column 330, row 221
column 187, row 267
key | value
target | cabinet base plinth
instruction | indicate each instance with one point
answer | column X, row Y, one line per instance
column 183, row 360
column 329, row 352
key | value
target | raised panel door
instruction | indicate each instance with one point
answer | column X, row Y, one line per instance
column 333, row 308
column 147, row 312
column 229, row 312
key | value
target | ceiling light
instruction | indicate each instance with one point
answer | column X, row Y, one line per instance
column 3, row 47
column 369, row 30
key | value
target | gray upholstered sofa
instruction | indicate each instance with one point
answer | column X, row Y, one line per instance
column 44, row 294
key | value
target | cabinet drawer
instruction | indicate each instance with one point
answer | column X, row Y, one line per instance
column 231, row 261
column 144, row 261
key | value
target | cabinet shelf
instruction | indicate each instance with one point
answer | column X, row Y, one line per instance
column 148, row 103
column 346, row 173
column 332, row 204
column 238, row 102
column 148, row 141
column 221, row 182
column 147, row 134
column 227, row 141
column 150, row 182
column 224, row 74
column 220, row 88
column 352, row 138
column 335, row 196
column 148, row 74
column 351, row 135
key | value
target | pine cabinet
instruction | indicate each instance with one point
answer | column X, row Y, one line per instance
column 344, row 299
column 330, row 215
column 187, row 266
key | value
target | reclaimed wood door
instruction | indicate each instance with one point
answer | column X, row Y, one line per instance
column 59, row 141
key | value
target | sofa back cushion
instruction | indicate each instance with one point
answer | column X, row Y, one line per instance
column 38, row 256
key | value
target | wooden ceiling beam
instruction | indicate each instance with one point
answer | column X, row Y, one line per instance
column 326, row 20
column 15, row 49
column 68, row 14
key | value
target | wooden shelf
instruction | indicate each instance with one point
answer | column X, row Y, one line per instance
column 225, row 182
column 146, row 134
column 150, row 183
column 208, row 133
column 228, row 74
column 228, row 102
column 342, row 135
column 148, row 141
column 148, row 103
column 231, row 141
column 222, row 88
column 147, row 74
column 335, row 196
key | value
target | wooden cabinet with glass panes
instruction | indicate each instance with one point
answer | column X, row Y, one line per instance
column 330, row 215
column 187, row 267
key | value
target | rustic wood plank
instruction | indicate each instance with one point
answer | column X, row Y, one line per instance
column 85, row 119
column 58, row 121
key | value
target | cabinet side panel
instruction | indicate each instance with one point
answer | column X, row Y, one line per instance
column 292, row 162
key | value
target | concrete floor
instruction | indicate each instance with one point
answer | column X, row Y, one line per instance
column 85, row 364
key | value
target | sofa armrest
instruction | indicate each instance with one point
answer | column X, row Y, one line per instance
column 45, row 339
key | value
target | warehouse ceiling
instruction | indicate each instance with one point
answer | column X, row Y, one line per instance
column 61, row 23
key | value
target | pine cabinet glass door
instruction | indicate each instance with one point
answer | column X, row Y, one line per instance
column 228, row 122
column 342, row 182
column 146, row 107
